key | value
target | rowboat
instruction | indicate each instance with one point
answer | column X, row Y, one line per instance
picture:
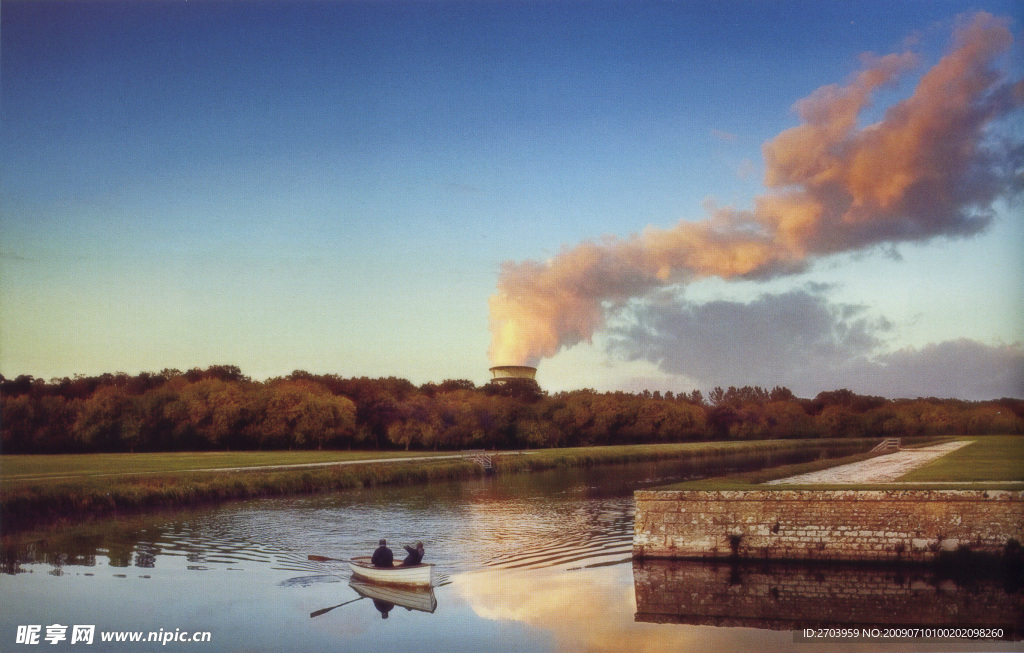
column 410, row 598
column 420, row 575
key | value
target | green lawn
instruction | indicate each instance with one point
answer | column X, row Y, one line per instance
column 990, row 462
column 70, row 467
column 38, row 489
column 65, row 466
column 989, row 458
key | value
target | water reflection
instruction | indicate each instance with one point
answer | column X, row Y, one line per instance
column 562, row 518
column 591, row 610
column 535, row 521
column 387, row 597
column 532, row 563
column 199, row 537
column 797, row 596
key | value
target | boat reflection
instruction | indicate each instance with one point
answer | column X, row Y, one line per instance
column 797, row 596
column 386, row 597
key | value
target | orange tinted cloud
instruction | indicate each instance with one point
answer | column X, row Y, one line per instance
column 926, row 169
column 922, row 171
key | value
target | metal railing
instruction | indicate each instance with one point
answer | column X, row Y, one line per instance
column 481, row 457
column 888, row 444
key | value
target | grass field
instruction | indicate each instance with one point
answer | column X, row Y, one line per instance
column 990, row 462
column 991, row 458
column 71, row 487
column 37, row 468
column 64, row 468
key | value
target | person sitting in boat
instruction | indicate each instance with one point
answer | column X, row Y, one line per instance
column 415, row 556
column 383, row 557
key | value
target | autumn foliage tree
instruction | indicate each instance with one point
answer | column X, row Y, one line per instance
column 220, row 408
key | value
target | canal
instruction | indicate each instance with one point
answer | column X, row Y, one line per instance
column 529, row 562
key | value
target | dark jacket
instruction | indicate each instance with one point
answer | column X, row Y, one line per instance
column 415, row 557
column 383, row 557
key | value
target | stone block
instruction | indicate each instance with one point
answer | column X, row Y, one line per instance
column 850, row 524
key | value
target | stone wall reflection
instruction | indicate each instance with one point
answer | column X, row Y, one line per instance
column 797, row 596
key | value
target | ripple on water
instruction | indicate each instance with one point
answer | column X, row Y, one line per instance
column 527, row 522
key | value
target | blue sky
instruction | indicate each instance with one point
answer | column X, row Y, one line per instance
column 334, row 186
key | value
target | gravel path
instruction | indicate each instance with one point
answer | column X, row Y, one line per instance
column 881, row 469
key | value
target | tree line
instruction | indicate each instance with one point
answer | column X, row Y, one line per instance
column 219, row 408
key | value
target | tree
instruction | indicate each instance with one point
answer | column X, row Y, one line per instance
column 20, row 385
column 204, row 416
column 527, row 390
column 685, row 422
column 717, row 396
column 453, row 385
column 780, row 393
column 788, row 419
column 220, row 408
column 721, row 419
column 460, row 413
column 109, row 421
column 303, row 414
column 18, row 423
column 418, row 424
column 840, row 421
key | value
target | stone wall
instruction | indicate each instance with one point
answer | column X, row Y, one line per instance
column 911, row 525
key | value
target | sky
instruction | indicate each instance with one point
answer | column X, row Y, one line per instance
column 378, row 188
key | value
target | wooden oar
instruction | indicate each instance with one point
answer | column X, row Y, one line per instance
column 325, row 559
column 317, row 613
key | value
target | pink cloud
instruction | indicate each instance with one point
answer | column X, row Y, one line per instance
column 926, row 169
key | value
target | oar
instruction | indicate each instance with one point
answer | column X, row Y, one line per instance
column 325, row 559
column 317, row 613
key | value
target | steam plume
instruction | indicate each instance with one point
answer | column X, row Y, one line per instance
column 928, row 168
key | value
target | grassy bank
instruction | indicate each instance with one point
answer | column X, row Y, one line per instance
column 771, row 451
column 53, row 488
column 42, row 468
column 990, row 462
column 995, row 458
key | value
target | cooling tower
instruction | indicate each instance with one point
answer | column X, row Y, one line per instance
column 502, row 373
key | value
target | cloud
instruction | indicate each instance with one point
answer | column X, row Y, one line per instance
column 926, row 169
column 929, row 168
column 962, row 368
column 801, row 340
column 768, row 341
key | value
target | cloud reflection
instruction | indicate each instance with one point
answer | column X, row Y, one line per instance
column 593, row 610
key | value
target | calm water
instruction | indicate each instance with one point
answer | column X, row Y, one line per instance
column 535, row 562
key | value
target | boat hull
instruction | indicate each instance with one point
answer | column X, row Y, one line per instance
column 421, row 575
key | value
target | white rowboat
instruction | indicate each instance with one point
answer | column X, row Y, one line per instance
column 421, row 575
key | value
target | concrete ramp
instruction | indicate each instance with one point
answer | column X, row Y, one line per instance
column 882, row 469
